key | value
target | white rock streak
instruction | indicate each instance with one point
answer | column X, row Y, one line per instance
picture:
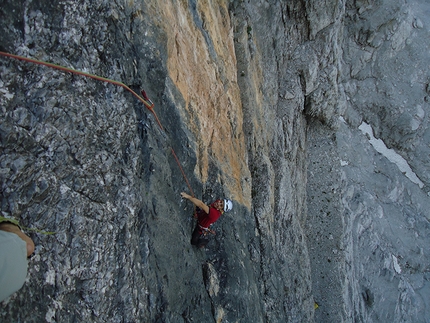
column 390, row 154
column 396, row 265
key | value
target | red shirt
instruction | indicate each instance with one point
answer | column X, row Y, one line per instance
column 205, row 220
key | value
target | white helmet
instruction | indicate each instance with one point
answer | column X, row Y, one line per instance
column 228, row 205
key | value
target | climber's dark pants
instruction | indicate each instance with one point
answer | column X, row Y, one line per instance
column 198, row 238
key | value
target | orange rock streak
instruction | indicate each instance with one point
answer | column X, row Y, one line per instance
column 202, row 65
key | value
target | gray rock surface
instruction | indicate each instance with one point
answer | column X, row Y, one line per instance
column 369, row 228
column 262, row 101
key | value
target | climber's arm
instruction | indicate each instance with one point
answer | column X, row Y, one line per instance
column 196, row 202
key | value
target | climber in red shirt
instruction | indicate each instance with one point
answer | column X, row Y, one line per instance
column 206, row 216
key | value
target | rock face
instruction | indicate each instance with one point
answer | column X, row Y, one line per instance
column 368, row 223
column 265, row 102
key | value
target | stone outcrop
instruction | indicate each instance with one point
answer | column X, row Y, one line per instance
column 264, row 102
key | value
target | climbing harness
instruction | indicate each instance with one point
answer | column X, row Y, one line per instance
column 206, row 230
column 144, row 98
column 203, row 228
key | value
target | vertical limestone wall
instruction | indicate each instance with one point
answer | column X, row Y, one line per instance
column 368, row 224
column 88, row 161
column 264, row 102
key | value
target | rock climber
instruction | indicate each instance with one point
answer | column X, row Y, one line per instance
column 206, row 216
column 15, row 248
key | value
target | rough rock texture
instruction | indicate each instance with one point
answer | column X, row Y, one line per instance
column 368, row 222
column 263, row 102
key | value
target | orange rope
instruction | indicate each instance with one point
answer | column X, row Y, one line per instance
column 182, row 171
column 149, row 106
column 70, row 70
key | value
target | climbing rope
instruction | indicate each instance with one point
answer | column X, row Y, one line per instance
column 96, row 77
column 183, row 173
column 15, row 222
column 145, row 100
